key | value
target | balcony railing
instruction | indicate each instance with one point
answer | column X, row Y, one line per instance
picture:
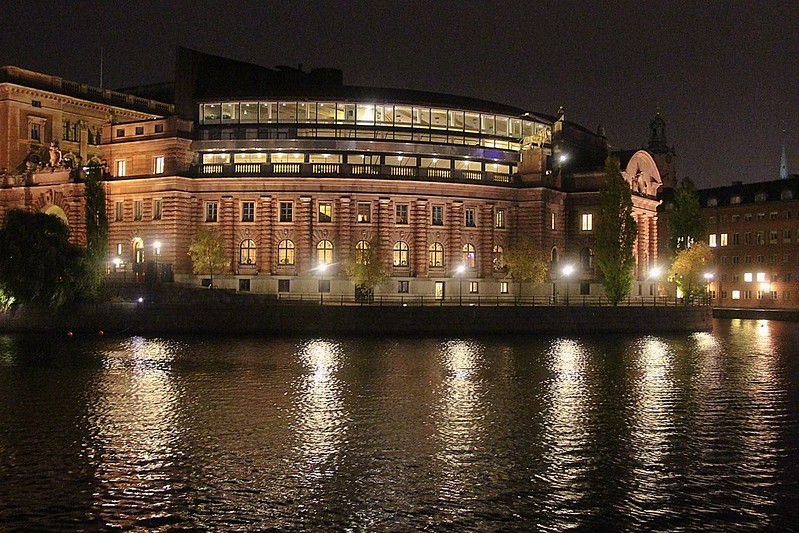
column 352, row 170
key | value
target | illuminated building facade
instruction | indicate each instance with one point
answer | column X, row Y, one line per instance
column 298, row 172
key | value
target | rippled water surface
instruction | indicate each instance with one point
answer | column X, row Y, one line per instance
column 663, row 433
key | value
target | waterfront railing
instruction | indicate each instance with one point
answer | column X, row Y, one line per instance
column 485, row 301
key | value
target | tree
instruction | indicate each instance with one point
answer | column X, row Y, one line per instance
column 365, row 268
column 689, row 268
column 96, row 222
column 615, row 233
column 207, row 252
column 685, row 220
column 38, row 264
column 526, row 261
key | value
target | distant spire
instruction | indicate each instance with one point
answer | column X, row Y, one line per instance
column 784, row 162
column 657, row 136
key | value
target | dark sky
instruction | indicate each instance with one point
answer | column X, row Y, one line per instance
column 725, row 75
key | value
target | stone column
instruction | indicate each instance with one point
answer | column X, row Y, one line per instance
column 419, row 227
column 267, row 258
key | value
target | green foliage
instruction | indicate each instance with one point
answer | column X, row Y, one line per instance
column 685, row 220
column 6, row 301
column 96, row 223
column 615, row 233
column 365, row 268
column 689, row 268
column 38, row 264
column 207, row 252
column 526, row 261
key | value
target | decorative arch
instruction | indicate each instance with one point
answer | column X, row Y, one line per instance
column 57, row 211
column 642, row 174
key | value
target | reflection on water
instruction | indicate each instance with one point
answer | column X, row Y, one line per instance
column 684, row 432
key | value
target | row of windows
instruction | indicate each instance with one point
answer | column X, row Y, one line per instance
column 760, row 277
column 369, row 114
column 260, row 158
column 785, row 194
column 137, row 130
column 138, row 209
column 749, row 217
column 760, row 295
column 759, row 237
column 747, row 259
column 363, row 214
column 403, row 286
column 122, row 166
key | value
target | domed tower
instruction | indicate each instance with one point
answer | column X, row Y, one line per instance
column 663, row 155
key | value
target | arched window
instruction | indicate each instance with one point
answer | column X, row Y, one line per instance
column 498, row 257
column 138, row 250
column 324, row 253
column 436, row 254
column 361, row 252
column 586, row 258
column 553, row 255
column 400, row 254
column 469, row 256
column 285, row 253
column 247, row 252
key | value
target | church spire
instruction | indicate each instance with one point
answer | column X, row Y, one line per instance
column 657, row 136
column 784, row 162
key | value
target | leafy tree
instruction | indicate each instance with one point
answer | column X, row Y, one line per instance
column 38, row 264
column 615, row 234
column 685, row 220
column 365, row 267
column 207, row 252
column 96, row 222
column 689, row 268
column 526, row 261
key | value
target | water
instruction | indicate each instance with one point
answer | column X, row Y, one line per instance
column 658, row 433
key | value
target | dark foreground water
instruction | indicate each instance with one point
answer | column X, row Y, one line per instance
column 686, row 432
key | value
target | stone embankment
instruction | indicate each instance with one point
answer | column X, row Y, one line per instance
column 223, row 312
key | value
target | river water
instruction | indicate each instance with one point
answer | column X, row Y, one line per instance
column 660, row 433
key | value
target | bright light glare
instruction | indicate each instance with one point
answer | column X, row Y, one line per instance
column 568, row 270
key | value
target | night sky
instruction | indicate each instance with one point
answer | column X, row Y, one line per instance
column 725, row 75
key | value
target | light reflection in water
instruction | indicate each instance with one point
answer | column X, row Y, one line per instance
column 134, row 430
column 323, row 422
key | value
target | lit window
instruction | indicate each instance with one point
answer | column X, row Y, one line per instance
column 325, row 211
column 552, row 220
column 498, row 258
column 400, row 254
column 436, row 254
column 401, row 214
column 736, row 295
column 761, row 277
column 403, row 286
column 286, row 212
column 121, row 167
column 361, row 252
column 723, row 239
column 499, row 218
column 158, row 165
column 503, row 287
column 247, row 252
column 474, row 287
column 469, row 256
column 324, row 253
column 364, row 215
column 470, row 218
column 748, row 276
column 211, row 210
column 711, row 240
column 587, row 222
column 285, row 254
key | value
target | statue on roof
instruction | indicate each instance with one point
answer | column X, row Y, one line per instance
column 657, row 136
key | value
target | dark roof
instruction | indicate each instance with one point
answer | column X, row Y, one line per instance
column 773, row 191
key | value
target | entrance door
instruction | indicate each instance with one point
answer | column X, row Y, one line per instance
column 439, row 290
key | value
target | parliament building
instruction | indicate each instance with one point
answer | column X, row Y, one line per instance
column 298, row 171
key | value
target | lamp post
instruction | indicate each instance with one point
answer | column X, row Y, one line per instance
column 708, row 279
column 157, row 249
column 460, row 270
column 321, row 268
column 654, row 274
column 567, row 271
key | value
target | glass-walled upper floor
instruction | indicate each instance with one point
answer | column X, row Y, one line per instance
column 376, row 115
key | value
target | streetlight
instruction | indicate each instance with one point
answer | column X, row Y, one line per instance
column 460, row 270
column 157, row 247
column 708, row 278
column 567, row 271
column 654, row 274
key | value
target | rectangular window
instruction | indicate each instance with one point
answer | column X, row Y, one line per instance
column 403, row 287
column 711, row 240
column 137, row 210
column 587, row 222
column 324, row 285
column 119, row 210
column 157, row 207
column 773, row 215
column 244, row 285
column 159, row 128
column 283, row 285
column 139, row 130
column 503, row 287
column 747, row 259
column 470, row 218
column 158, row 165
column 211, row 209
column 772, row 237
column 723, row 239
column 248, row 211
column 748, row 276
column 748, row 237
column 747, row 295
column 499, row 218
column 736, row 259
column 736, row 295
column 437, row 215
column 759, row 238
column 121, row 167
column 735, row 218
column 286, row 212
column 364, row 214
column 120, row 132
column 736, row 239
column 325, row 213
column 474, row 287
column 551, row 220
column 761, row 277
column 401, row 213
